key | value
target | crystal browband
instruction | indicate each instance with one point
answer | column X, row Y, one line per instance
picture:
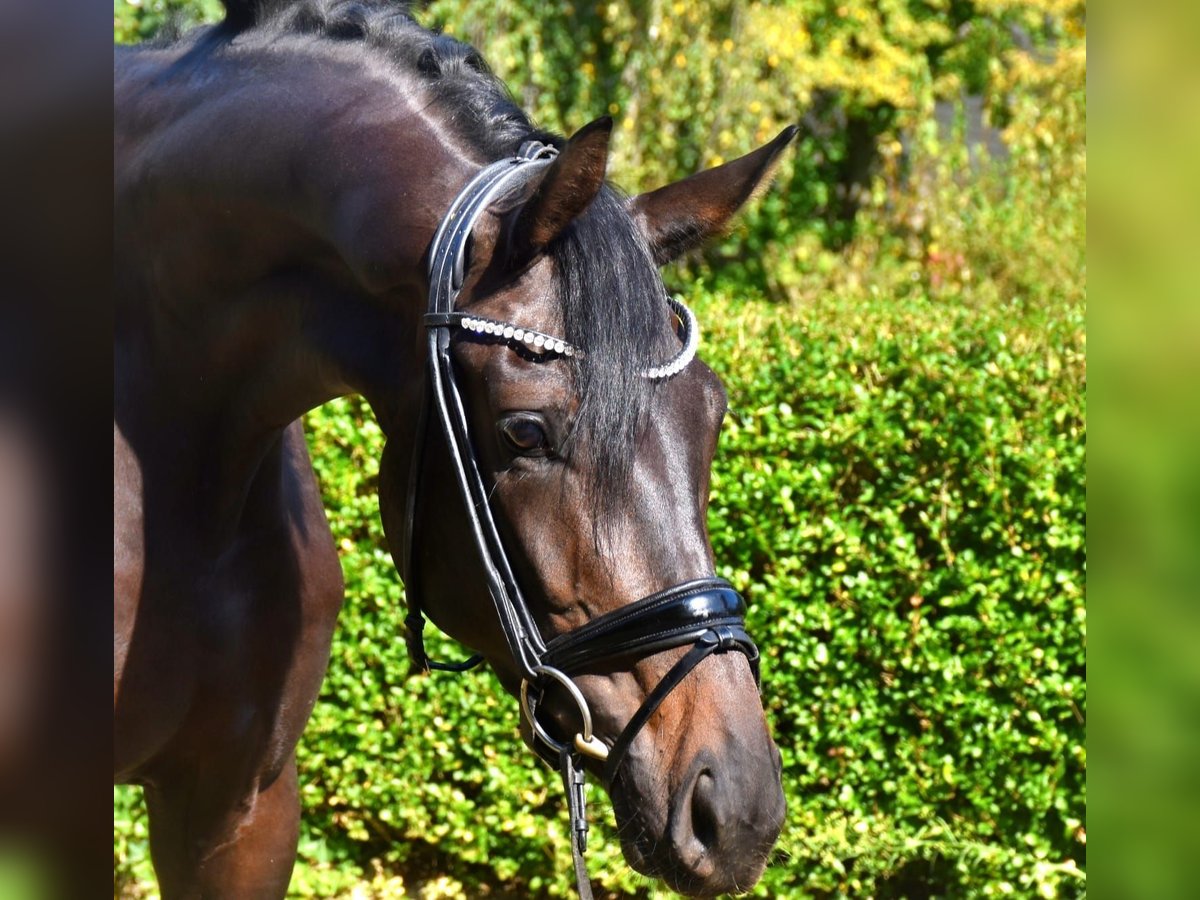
column 547, row 345
column 535, row 342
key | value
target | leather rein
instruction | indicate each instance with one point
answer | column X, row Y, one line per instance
column 706, row 614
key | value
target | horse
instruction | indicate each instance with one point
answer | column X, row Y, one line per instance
column 320, row 198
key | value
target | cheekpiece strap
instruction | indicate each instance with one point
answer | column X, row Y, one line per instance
column 446, row 265
column 448, row 251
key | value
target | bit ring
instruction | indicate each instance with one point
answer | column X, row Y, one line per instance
column 585, row 742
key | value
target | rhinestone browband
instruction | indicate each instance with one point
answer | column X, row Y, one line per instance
column 523, row 338
column 542, row 345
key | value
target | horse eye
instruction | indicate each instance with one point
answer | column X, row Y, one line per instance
column 525, row 435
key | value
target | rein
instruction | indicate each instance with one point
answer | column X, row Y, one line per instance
column 706, row 614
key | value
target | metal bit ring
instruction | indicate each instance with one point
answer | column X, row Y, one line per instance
column 585, row 742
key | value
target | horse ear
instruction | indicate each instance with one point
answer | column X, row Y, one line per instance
column 681, row 216
column 571, row 182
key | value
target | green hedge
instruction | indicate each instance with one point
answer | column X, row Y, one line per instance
column 900, row 491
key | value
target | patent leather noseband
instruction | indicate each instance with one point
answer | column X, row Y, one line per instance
column 706, row 614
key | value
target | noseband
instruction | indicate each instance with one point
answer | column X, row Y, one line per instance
column 706, row 614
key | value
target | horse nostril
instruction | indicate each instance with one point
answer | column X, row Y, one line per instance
column 721, row 827
column 705, row 818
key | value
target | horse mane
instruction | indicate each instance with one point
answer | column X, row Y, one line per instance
column 610, row 289
column 476, row 103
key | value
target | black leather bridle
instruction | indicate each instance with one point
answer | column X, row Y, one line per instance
column 706, row 614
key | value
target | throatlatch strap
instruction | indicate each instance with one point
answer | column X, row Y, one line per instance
column 419, row 661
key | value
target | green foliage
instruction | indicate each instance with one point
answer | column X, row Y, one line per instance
column 694, row 84
column 899, row 490
column 137, row 20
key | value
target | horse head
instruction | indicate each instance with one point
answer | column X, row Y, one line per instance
column 592, row 430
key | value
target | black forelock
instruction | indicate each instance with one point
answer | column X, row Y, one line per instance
column 614, row 308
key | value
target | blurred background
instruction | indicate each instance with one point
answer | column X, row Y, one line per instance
column 900, row 489
column 55, row 327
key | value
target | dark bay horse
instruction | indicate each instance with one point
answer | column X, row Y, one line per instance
column 279, row 179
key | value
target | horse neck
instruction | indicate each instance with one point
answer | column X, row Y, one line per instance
column 271, row 222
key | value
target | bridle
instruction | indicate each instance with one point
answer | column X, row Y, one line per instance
column 706, row 613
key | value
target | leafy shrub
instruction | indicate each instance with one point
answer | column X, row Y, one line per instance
column 901, row 491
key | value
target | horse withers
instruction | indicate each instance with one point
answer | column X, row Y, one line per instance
column 285, row 183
